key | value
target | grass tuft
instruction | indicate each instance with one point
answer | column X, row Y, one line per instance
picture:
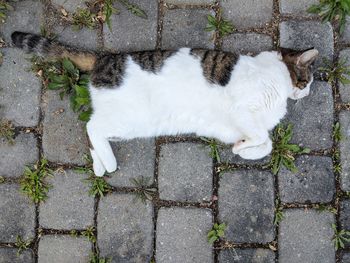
column 134, row 9
column 214, row 148
column 283, row 152
column 216, row 232
column 278, row 213
column 4, row 7
column 337, row 136
column 7, row 131
column 33, row 181
column 95, row 258
column 144, row 191
column 331, row 11
column 220, row 25
column 98, row 186
column 21, row 244
column 323, row 208
column 340, row 237
column 89, row 233
column 337, row 71
column 83, row 17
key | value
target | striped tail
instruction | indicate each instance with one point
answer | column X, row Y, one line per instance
column 44, row 47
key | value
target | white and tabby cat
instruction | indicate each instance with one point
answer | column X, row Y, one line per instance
column 235, row 99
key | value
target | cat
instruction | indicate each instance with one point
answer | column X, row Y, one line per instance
column 236, row 99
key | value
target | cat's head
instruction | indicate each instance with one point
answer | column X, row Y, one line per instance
column 300, row 66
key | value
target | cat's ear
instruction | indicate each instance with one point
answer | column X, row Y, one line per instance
column 307, row 57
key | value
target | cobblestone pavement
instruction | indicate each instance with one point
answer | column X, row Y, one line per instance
column 191, row 193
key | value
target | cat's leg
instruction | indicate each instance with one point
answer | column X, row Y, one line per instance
column 98, row 167
column 256, row 152
column 102, row 149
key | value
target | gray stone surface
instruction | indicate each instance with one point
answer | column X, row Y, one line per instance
column 306, row 236
column 182, row 235
column 13, row 157
column 249, row 13
column 186, row 28
column 84, row 38
column 68, row 192
column 344, row 89
column 227, row 156
column 70, row 5
column 17, row 214
column 249, row 255
column 64, row 249
column 190, row 2
column 292, row 7
column 246, row 205
column 185, row 172
column 345, row 37
column 344, row 217
column 344, row 119
column 314, row 182
column 132, row 33
column 26, row 17
column 125, row 229
column 8, row 255
column 135, row 159
column 64, row 136
column 19, row 89
column 247, row 43
column 313, row 115
column 345, row 258
column 307, row 34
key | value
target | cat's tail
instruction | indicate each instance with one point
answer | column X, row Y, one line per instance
column 44, row 47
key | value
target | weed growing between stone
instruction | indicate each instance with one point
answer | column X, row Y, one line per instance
column 33, row 181
column 337, row 71
column 2, row 180
column 144, row 191
column 83, row 17
column 216, row 232
column 337, row 136
column 332, row 11
column 89, row 233
column 278, row 213
column 220, row 25
column 4, row 7
column 94, row 258
column 21, row 244
column 214, row 148
column 7, row 131
column 323, row 208
column 340, row 237
column 283, row 152
column 98, row 186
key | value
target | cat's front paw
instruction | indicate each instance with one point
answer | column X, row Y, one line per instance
column 238, row 146
column 256, row 152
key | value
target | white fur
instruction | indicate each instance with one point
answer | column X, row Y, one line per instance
column 179, row 100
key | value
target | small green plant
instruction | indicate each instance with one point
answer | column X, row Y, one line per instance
column 220, row 25
column 144, row 191
column 87, row 169
column 73, row 233
column 340, row 237
column 216, row 232
column 107, row 11
column 98, row 186
column 283, row 152
column 4, row 7
column 21, row 244
column 323, row 208
column 33, row 181
column 214, row 148
column 89, row 233
column 7, row 131
column 337, row 136
column 278, row 213
column 332, row 10
column 336, row 158
column 83, row 17
column 134, row 9
column 95, row 258
column 336, row 71
column 337, row 168
column 2, row 179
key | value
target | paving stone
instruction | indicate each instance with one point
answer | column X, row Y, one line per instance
column 182, row 235
column 306, row 236
column 190, row 2
column 10, row 255
column 68, row 192
column 345, row 37
column 344, row 145
column 344, row 89
column 313, row 115
column 130, row 32
column 26, row 17
column 300, row 7
column 247, row 43
column 345, row 258
column 125, row 229
column 64, row 249
column 314, row 182
column 185, row 172
column 13, row 157
column 70, row 6
column 227, row 156
column 249, row 13
column 17, row 214
column 345, row 216
column 247, row 256
column 84, row 38
column 19, row 89
column 135, row 158
column 186, row 28
column 246, row 205
column 64, row 136
column 307, row 34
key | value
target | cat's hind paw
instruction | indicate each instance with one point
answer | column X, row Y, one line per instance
column 99, row 169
